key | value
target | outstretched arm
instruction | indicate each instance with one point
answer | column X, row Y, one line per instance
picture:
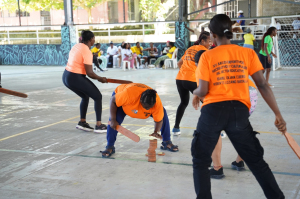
column 157, row 127
column 113, row 113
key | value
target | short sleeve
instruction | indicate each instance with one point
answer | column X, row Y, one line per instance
column 122, row 98
column 253, row 38
column 267, row 39
column 158, row 113
column 141, row 48
column 202, row 71
column 87, row 57
column 255, row 64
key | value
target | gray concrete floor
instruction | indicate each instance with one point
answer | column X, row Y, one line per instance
column 42, row 155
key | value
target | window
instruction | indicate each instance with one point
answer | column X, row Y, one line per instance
column 22, row 13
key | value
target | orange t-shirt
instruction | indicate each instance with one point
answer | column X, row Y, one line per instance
column 188, row 68
column 227, row 69
column 79, row 55
column 128, row 96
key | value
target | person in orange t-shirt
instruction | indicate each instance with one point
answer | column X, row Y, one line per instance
column 79, row 65
column 223, row 82
column 186, row 80
column 137, row 101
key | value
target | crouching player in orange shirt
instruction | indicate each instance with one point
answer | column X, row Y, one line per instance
column 137, row 101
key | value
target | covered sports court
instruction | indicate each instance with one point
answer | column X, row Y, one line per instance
column 43, row 155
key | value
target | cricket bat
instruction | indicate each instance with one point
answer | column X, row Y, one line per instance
column 293, row 144
column 118, row 81
column 15, row 93
column 127, row 133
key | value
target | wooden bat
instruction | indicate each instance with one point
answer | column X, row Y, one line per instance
column 10, row 92
column 118, row 81
column 127, row 133
column 293, row 144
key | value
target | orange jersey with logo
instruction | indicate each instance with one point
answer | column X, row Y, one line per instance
column 188, row 68
column 79, row 55
column 128, row 96
column 227, row 69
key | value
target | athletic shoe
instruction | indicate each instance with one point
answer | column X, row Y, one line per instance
column 176, row 131
column 238, row 166
column 216, row 174
column 105, row 69
column 100, row 129
column 223, row 134
column 84, row 126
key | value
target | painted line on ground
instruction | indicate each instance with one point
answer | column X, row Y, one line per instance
column 136, row 160
column 193, row 128
column 46, row 126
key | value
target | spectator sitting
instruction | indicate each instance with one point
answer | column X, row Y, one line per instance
column 127, row 55
column 96, row 53
column 138, row 50
column 236, row 29
column 249, row 39
column 253, row 23
column 167, row 56
column 120, row 53
column 153, row 52
column 112, row 54
column 165, row 49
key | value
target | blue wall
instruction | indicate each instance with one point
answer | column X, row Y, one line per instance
column 34, row 54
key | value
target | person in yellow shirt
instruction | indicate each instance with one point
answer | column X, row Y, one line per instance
column 97, row 58
column 168, row 56
column 249, row 39
column 138, row 50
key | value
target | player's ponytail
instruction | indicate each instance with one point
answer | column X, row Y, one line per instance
column 221, row 25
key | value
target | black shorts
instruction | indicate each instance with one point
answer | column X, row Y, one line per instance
column 264, row 61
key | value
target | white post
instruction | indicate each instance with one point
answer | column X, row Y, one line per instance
column 109, row 35
column 143, row 33
column 8, row 37
column 37, row 36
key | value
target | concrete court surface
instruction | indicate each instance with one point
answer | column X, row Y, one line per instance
column 42, row 155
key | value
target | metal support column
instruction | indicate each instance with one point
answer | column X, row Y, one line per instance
column 249, row 8
column 68, row 8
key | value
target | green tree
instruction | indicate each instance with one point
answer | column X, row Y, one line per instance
column 151, row 9
column 36, row 5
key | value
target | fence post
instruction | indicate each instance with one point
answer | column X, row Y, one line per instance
column 143, row 32
column 109, row 35
column 37, row 36
column 8, row 37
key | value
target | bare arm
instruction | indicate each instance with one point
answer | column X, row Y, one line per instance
column 180, row 63
column 91, row 74
column 113, row 113
column 157, row 127
column 202, row 89
column 268, row 96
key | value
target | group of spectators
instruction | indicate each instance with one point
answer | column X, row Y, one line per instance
column 134, row 55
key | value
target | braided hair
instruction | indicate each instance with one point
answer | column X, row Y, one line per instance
column 149, row 97
column 203, row 36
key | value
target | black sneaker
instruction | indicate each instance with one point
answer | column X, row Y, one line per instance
column 84, row 126
column 216, row 174
column 100, row 129
column 238, row 166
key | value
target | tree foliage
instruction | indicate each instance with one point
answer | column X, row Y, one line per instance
column 47, row 5
column 152, row 9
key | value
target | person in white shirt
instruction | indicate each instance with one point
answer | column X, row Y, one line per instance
column 112, row 51
column 127, row 55
column 296, row 25
column 120, row 53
